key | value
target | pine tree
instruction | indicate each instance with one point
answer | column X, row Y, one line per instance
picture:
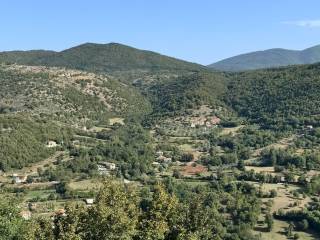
column 269, row 222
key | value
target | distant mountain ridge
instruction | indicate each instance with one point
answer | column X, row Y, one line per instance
column 276, row 57
column 100, row 58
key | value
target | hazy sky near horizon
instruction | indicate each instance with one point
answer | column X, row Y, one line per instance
column 201, row 31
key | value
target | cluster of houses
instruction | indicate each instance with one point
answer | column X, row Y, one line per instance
column 160, row 157
column 204, row 121
column 105, row 168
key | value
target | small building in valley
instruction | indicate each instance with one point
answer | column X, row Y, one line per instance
column 19, row 179
column 108, row 165
column 309, row 127
column 51, row 144
column 159, row 153
column 104, row 168
column 89, row 201
column 126, row 181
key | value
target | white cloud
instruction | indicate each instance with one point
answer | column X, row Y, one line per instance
column 304, row 23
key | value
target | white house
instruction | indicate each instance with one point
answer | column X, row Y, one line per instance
column 108, row 165
column 126, row 181
column 89, row 201
column 103, row 170
column 309, row 127
column 164, row 159
column 51, row 144
column 156, row 164
column 19, row 179
column 159, row 153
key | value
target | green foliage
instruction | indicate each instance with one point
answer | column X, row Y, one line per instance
column 221, row 211
column 279, row 99
column 40, row 229
column 269, row 221
column 188, row 92
column 114, row 216
column 23, row 140
column 273, row 157
column 128, row 146
column 160, row 216
column 12, row 226
column 276, row 98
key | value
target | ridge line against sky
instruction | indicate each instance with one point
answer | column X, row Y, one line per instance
column 201, row 31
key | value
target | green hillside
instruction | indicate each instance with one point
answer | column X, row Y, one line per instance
column 23, row 139
column 38, row 104
column 268, row 58
column 66, row 95
column 100, row 58
column 189, row 91
column 277, row 96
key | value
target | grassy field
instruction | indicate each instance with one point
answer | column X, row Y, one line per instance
column 38, row 194
column 85, row 185
column 278, row 233
column 187, row 148
column 282, row 201
column 113, row 121
column 97, row 129
column 177, row 138
column 260, row 169
column 284, row 197
column 193, row 183
column 227, row 131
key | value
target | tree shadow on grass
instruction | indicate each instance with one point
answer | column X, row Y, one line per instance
column 261, row 229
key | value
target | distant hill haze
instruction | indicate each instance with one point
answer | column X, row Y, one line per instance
column 100, row 58
column 267, row 59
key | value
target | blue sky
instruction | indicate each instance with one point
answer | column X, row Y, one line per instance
column 201, row 31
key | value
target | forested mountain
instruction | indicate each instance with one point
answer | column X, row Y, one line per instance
column 100, row 58
column 269, row 58
column 189, row 91
column 268, row 97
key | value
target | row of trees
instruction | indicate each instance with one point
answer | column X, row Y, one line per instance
column 287, row 158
